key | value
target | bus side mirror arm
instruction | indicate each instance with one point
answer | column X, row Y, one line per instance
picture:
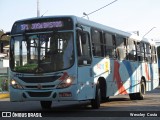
column 79, row 26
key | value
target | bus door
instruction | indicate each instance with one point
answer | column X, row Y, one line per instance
column 141, row 63
column 132, row 65
column 85, row 83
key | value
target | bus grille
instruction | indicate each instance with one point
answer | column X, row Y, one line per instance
column 39, row 94
column 39, row 79
column 43, row 86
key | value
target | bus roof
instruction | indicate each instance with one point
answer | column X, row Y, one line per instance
column 96, row 25
column 113, row 30
column 85, row 22
column 151, row 41
column 44, row 17
column 102, row 27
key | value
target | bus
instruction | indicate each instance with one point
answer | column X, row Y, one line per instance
column 68, row 58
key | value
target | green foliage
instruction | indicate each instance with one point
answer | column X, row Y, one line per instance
column 26, row 68
column 3, row 84
column 4, row 38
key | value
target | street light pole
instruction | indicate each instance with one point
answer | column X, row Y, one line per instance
column 38, row 11
column 86, row 15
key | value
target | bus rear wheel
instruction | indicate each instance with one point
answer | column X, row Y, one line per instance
column 95, row 103
column 132, row 96
column 46, row 104
column 140, row 95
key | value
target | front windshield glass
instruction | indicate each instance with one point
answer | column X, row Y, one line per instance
column 45, row 52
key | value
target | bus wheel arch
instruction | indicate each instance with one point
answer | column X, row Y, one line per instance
column 103, row 88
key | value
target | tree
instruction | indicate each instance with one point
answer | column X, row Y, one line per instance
column 4, row 41
column 4, row 38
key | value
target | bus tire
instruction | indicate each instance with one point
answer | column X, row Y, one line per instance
column 95, row 103
column 105, row 99
column 132, row 96
column 103, row 88
column 140, row 95
column 46, row 104
column 142, row 91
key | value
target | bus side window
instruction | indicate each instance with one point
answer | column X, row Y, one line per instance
column 131, row 49
column 83, row 48
column 114, row 44
column 142, row 50
column 126, row 48
column 153, row 54
column 109, row 45
column 155, row 51
column 121, row 47
column 97, row 43
column 147, row 53
column 139, row 54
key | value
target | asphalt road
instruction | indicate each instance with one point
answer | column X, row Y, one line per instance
column 118, row 106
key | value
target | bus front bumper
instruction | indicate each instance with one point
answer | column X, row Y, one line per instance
column 18, row 95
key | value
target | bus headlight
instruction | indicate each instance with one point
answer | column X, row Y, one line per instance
column 15, row 84
column 65, row 83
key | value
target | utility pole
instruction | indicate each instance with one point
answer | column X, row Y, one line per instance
column 38, row 11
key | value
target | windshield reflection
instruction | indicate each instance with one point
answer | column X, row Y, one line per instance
column 45, row 52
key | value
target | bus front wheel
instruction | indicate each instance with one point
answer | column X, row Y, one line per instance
column 95, row 103
column 46, row 104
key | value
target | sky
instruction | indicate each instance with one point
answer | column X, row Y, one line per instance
column 126, row 15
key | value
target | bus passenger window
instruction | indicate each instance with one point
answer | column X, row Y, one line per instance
column 126, row 48
column 153, row 54
column 83, row 48
column 147, row 53
column 139, row 54
column 121, row 47
column 142, row 50
column 131, row 49
column 109, row 45
column 97, row 43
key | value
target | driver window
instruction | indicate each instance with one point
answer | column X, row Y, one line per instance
column 83, row 48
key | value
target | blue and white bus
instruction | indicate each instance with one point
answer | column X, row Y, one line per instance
column 67, row 58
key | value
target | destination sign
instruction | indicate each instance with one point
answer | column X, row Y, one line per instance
column 42, row 25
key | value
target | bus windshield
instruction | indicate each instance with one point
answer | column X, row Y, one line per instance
column 41, row 52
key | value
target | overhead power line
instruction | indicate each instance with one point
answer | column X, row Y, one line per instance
column 149, row 31
column 100, row 8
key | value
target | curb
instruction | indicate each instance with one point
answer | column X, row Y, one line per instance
column 158, row 87
column 4, row 95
